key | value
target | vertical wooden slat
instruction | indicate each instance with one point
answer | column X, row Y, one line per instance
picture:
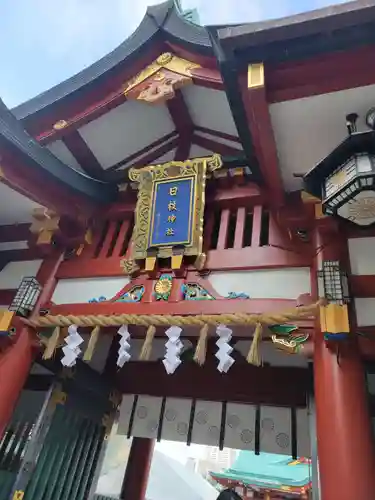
column 223, row 231
column 207, row 230
column 108, row 240
column 257, row 224
column 120, row 239
column 240, row 226
column 89, row 250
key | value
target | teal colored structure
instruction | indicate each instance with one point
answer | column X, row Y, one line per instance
column 267, row 471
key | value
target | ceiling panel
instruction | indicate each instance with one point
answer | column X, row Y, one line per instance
column 125, row 130
column 59, row 149
column 14, row 207
column 210, row 108
column 306, row 130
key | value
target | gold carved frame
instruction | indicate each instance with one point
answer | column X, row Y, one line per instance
column 147, row 178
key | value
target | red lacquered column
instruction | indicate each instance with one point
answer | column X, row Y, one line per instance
column 138, row 469
column 345, row 442
column 16, row 362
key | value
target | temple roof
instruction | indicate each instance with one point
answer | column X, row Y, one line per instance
column 267, row 470
column 337, row 27
column 165, row 21
column 15, row 139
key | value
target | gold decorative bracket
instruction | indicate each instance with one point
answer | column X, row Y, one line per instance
column 255, row 76
column 160, row 79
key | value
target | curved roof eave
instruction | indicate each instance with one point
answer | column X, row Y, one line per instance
column 304, row 24
column 257, row 41
column 13, row 134
column 163, row 18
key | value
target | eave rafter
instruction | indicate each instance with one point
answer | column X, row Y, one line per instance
column 254, row 99
column 83, row 154
column 103, row 98
column 320, row 75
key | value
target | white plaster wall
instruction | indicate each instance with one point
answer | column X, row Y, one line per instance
column 286, row 283
column 75, row 291
column 365, row 311
column 12, row 274
column 361, row 253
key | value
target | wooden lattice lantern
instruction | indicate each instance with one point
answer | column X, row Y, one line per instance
column 26, row 297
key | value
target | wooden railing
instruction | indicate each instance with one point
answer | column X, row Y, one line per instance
column 239, row 238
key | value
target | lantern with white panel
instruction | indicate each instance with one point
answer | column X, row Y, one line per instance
column 345, row 179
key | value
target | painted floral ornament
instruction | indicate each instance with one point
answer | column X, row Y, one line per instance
column 163, row 287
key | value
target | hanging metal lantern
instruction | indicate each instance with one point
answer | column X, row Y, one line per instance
column 333, row 283
column 26, row 297
column 345, row 179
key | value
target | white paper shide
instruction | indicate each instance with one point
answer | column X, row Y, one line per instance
column 123, row 352
column 173, row 348
column 225, row 350
column 72, row 350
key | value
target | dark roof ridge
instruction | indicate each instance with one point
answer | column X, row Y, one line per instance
column 303, row 24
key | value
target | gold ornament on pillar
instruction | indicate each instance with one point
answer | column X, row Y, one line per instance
column 45, row 224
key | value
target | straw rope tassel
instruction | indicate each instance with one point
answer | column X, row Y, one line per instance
column 201, row 349
column 254, row 357
column 92, row 343
column 52, row 343
column 147, row 344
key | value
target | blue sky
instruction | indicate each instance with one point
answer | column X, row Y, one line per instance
column 43, row 42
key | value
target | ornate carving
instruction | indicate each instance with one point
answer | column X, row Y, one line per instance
column 153, row 79
column 287, row 338
column 45, row 224
column 99, row 299
column 193, row 291
column 163, row 287
column 135, row 294
column 129, row 266
column 160, row 87
column 60, row 125
column 235, row 295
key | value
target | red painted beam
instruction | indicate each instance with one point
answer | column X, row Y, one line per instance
column 93, row 102
column 101, row 98
column 83, row 154
column 242, row 384
column 14, row 232
column 44, row 190
column 6, row 296
column 254, row 257
column 260, row 126
column 180, row 113
column 320, row 75
column 362, row 286
column 216, row 147
column 183, row 148
column 237, row 196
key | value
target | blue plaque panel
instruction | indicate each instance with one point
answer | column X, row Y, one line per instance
column 172, row 212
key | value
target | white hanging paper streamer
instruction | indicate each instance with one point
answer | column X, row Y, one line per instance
column 173, row 347
column 123, row 354
column 71, row 350
column 223, row 354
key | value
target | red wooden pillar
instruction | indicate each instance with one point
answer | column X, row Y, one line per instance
column 138, row 469
column 344, row 435
column 16, row 362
